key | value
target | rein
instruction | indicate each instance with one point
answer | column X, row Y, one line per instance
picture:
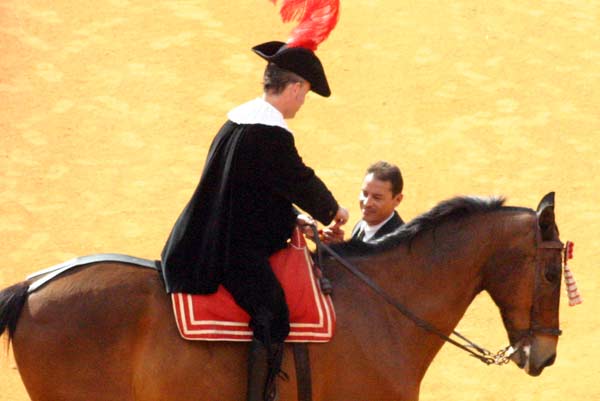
column 484, row 355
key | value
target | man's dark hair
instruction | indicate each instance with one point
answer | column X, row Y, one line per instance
column 385, row 171
column 275, row 79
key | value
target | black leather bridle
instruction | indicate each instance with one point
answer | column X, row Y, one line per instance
column 534, row 328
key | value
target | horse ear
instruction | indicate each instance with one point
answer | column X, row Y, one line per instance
column 545, row 213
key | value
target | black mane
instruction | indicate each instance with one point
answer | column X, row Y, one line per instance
column 448, row 210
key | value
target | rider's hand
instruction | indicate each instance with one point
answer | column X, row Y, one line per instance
column 304, row 221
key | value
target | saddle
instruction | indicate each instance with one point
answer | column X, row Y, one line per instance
column 216, row 317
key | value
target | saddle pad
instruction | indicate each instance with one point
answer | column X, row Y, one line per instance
column 216, row 317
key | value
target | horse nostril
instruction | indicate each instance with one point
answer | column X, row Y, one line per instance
column 550, row 361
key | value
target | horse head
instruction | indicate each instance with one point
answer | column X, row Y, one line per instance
column 524, row 281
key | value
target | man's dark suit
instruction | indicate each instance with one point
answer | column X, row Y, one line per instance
column 391, row 225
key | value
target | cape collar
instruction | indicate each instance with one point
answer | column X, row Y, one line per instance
column 257, row 111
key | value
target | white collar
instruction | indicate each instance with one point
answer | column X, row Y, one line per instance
column 257, row 111
column 371, row 230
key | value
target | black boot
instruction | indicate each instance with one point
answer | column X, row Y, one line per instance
column 264, row 366
column 275, row 359
column 258, row 371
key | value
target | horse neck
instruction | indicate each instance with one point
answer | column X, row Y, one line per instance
column 436, row 278
column 440, row 272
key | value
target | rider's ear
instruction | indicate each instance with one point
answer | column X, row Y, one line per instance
column 545, row 213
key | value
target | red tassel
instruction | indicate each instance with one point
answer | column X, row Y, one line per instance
column 569, row 249
column 571, row 287
column 317, row 19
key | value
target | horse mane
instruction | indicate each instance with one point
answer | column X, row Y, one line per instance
column 445, row 211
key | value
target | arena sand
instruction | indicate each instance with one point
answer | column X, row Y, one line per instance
column 108, row 107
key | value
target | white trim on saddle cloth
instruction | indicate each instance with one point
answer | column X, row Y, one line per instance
column 313, row 320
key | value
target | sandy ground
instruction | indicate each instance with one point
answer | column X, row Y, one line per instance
column 107, row 109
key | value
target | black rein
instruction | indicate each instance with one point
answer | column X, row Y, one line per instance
column 480, row 353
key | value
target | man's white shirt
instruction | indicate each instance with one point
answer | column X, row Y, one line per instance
column 371, row 230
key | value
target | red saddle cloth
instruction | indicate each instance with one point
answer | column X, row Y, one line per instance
column 216, row 317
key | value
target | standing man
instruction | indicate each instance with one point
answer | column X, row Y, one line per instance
column 242, row 210
column 380, row 195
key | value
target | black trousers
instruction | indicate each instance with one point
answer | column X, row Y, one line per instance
column 256, row 289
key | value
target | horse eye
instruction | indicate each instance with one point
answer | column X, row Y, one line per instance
column 552, row 273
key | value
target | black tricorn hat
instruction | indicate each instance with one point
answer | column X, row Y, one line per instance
column 299, row 60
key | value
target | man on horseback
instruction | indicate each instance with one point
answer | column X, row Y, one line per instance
column 380, row 195
column 242, row 210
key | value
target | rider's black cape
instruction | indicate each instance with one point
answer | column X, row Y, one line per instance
column 241, row 211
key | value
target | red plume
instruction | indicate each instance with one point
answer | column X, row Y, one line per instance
column 317, row 19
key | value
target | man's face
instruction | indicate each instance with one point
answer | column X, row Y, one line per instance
column 377, row 202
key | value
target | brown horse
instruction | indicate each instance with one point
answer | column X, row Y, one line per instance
column 106, row 331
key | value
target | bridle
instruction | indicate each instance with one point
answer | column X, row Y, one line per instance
column 534, row 328
column 499, row 358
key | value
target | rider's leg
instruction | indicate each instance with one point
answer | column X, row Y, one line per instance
column 258, row 292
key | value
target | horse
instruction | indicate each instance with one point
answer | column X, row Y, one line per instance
column 105, row 331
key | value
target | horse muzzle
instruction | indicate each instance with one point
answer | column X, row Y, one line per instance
column 533, row 355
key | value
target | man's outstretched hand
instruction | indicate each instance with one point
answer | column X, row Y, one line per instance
column 332, row 235
column 341, row 217
column 328, row 235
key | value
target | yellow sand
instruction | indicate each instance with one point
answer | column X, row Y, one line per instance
column 107, row 109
